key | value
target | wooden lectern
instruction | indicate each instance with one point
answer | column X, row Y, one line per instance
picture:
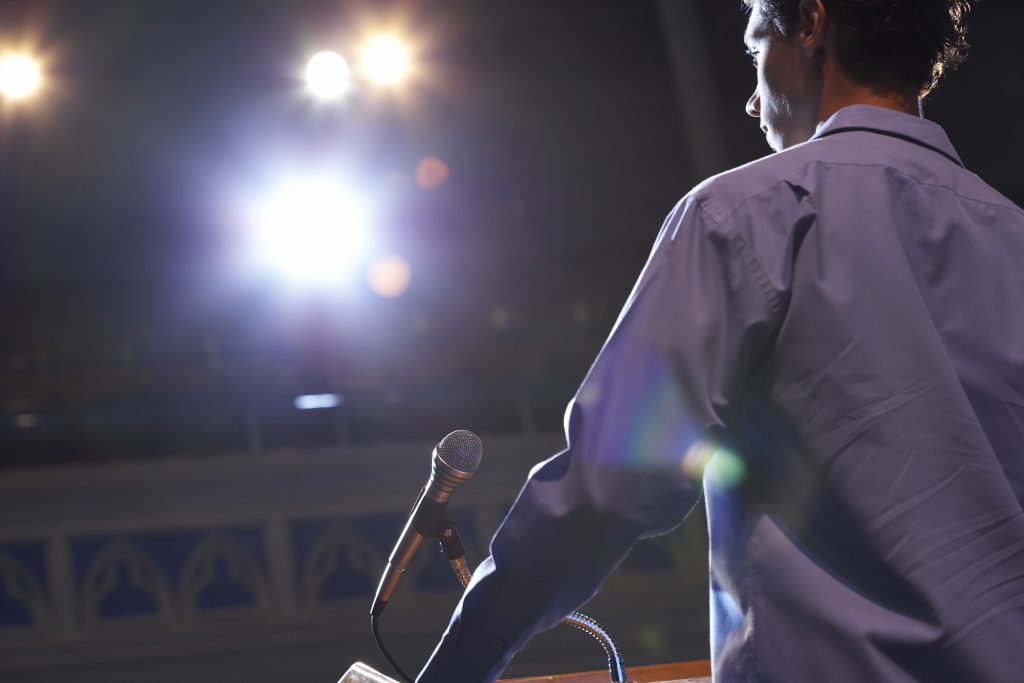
column 679, row 672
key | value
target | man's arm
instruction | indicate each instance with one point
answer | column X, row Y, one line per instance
column 662, row 385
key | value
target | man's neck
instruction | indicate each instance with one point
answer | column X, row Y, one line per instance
column 839, row 91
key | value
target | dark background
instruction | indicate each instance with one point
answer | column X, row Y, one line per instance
column 569, row 130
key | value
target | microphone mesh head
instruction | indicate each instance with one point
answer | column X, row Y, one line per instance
column 461, row 450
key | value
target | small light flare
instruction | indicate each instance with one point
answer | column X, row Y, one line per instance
column 500, row 318
column 389, row 276
column 328, row 75
column 20, row 76
column 26, row 420
column 652, row 639
column 431, row 172
column 697, row 457
column 725, row 470
column 317, row 401
column 581, row 314
column 718, row 465
column 590, row 393
column 386, row 60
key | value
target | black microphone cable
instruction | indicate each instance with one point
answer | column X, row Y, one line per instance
column 387, row 655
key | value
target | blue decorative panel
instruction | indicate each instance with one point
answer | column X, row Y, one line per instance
column 346, row 582
column 83, row 552
column 126, row 600
column 303, row 535
column 334, row 560
column 13, row 611
column 23, row 584
column 170, row 550
column 380, row 531
column 252, row 539
column 225, row 592
column 32, row 557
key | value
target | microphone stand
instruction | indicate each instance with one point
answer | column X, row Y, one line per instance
column 455, row 552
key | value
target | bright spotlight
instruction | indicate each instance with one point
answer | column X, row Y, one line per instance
column 386, row 60
column 311, row 231
column 19, row 76
column 327, row 75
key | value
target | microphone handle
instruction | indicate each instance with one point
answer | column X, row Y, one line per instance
column 425, row 521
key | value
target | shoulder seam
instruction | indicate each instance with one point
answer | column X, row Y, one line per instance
column 753, row 265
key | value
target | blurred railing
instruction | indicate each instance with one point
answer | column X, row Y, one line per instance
column 262, row 568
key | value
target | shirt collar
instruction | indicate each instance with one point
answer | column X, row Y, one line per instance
column 863, row 117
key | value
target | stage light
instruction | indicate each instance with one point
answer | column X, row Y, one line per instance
column 327, row 75
column 19, row 76
column 389, row 276
column 317, row 401
column 311, row 231
column 386, row 60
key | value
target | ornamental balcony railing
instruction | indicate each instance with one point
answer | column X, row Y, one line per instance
column 262, row 568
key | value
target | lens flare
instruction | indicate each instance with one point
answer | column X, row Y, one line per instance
column 431, row 172
column 725, row 470
column 26, row 420
column 389, row 276
column 718, row 465
column 500, row 318
column 697, row 457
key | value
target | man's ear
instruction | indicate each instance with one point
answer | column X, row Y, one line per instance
column 812, row 25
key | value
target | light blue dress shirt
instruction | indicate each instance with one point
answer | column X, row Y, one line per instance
column 829, row 342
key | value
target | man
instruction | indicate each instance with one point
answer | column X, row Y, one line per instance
column 839, row 319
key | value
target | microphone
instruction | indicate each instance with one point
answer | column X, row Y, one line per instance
column 454, row 462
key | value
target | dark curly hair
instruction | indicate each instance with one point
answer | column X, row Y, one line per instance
column 913, row 41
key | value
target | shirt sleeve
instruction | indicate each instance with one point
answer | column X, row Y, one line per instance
column 662, row 386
